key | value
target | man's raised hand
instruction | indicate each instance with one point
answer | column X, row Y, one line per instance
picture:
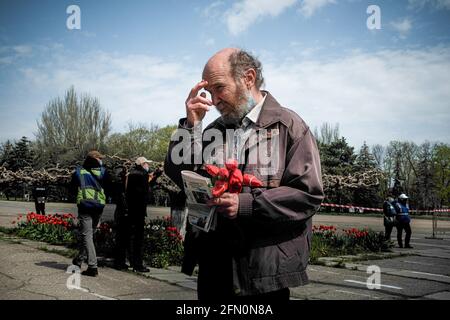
column 197, row 105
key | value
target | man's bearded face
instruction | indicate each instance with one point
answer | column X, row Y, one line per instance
column 230, row 96
column 235, row 109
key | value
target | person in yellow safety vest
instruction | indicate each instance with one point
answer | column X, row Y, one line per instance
column 91, row 184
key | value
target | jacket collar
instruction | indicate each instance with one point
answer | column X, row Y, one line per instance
column 270, row 112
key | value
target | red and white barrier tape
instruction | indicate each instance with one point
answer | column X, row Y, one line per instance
column 347, row 206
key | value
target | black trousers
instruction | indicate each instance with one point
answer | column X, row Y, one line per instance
column 137, row 240
column 130, row 238
column 387, row 231
column 215, row 283
column 400, row 227
column 40, row 207
column 123, row 237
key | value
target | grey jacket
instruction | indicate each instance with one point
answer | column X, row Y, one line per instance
column 269, row 242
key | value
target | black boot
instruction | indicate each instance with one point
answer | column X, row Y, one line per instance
column 91, row 272
column 121, row 266
column 77, row 262
column 141, row 269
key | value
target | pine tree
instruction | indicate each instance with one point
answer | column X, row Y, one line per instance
column 23, row 154
column 365, row 159
column 7, row 154
column 366, row 196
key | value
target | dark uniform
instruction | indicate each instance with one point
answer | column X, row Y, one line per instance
column 137, row 194
column 40, row 196
column 403, row 223
column 389, row 218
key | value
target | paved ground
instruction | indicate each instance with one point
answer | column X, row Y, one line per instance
column 26, row 272
column 29, row 273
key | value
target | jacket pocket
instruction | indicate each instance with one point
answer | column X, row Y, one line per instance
column 288, row 248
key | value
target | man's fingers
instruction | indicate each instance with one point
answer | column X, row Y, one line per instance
column 200, row 98
column 198, row 107
column 197, row 88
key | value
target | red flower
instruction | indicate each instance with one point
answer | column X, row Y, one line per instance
column 230, row 178
column 219, row 188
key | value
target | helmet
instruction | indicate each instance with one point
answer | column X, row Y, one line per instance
column 403, row 196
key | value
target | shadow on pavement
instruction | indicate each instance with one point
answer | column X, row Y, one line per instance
column 53, row 265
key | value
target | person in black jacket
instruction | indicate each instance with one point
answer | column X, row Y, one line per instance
column 121, row 219
column 40, row 196
column 137, row 195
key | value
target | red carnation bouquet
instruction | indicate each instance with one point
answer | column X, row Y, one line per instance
column 230, row 178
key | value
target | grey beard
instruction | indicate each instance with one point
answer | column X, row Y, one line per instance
column 235, row 117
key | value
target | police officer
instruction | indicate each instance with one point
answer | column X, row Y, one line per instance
column 403, row 220
column 91, row 183
column 40, row 196
column 389, row 218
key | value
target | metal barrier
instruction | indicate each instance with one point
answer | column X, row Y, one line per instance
column 439, row 229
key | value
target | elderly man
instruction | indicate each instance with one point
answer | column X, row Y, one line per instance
column 260, row 245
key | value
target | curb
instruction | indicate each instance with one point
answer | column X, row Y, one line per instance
column 346, row 261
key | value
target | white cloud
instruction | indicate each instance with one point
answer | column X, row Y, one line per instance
column 436, row 4
column 22, row 49
column 10, row 54
column 213, row 10
column 376, row 97
column 402, row 26
column 309, row 7
column 138, row 88
column 247, row 12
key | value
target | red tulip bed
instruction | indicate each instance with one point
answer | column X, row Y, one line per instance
column 163, row 244
column 162, row 241
column 328, row 241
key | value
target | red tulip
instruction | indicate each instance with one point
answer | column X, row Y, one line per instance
column 219, row 188
column 223, row 173
column 231, row 164
column 212, row 170
column 235, row 183
column 251, row 181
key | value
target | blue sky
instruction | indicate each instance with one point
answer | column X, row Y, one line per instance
column 140, row 58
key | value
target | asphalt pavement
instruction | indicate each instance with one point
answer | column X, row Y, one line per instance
column 29, row 272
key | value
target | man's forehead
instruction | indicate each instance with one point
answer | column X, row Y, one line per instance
column 213, row 68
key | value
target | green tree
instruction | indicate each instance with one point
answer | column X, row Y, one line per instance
column 400, row 166
column 337, row 157
column 366, row 163
column 365, row 159
column 425, row 194
column 70, row 127
column 141, row 140
column 7, row 155
column 441, row 163
column 23, row 154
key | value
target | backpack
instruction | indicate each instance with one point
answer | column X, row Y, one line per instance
column 389, row 209
column 90, row 193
